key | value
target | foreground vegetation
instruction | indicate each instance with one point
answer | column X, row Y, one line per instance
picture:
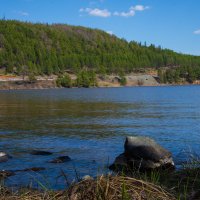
column 104, row 187
column 43, row 49
column 155, row 185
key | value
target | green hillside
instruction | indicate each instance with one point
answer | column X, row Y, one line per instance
column 53, row 49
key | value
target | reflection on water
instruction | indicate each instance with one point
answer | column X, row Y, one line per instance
column 90, row 125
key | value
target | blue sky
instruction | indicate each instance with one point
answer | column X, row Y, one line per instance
column 173, row 24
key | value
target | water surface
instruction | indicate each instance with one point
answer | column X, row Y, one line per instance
column 90, row 126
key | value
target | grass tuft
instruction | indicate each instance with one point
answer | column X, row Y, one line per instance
column 117, row 188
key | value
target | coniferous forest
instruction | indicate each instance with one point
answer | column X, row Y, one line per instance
column 43, row 49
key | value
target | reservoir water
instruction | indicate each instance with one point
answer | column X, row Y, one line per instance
column 90, row 126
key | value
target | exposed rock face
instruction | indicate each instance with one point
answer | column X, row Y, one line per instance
column 61, row 159
column 4, row 157
column 142, row 153
column 12, row 85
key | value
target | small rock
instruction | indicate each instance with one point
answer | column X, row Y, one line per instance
column 4, row 157
column 40, row 153
column 61, row 159
column 87, row 178
column 5, row 174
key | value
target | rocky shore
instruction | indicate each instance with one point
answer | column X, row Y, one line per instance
column 17, row 83
column 144, row 171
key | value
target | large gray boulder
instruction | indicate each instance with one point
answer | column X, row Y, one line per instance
column 143, row 153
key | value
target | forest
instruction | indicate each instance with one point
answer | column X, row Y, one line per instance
column 45, row 49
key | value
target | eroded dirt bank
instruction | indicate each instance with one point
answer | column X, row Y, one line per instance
column 46, row 82
column 17, row 82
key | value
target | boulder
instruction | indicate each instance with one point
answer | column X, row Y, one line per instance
column 145, row 148
column 61, row 159
column 143, row 153
column 120, row 163
column 40, row 153
column 4, row 157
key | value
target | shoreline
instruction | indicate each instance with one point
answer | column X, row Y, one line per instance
column 110, row 81
column 167, row 181
column 45, row 86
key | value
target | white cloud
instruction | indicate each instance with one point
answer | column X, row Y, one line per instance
column 139, row 8
column 106, row 13
column 197, row 32
column 132, row 11
column 96, row 12
column 81, row 10
column 100, row 13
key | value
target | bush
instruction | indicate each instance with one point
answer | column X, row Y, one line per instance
column 64, row 81
column 86, row 79
column 123, row 80
column 32, row 78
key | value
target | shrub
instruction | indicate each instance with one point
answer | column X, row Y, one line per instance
column 86, row 79
column 32, row 78
column 64, row 81
column 123, row 80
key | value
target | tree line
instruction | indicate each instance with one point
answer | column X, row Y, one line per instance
column 53, row 49
column 179, row 74
column 84, row 79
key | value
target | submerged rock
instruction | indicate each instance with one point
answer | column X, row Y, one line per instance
column 40, row 153
column 6, row 174
column 4, row 157
column 33, row 169
column 61, row 159
column 120, row 163
column 143, row 153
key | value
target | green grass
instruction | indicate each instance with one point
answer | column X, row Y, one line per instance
column 154, row 185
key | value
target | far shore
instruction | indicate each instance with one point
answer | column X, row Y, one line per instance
column 11, row 82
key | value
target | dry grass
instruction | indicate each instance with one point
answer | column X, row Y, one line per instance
column 103, row 188
column 28, row 194
column 117, row 188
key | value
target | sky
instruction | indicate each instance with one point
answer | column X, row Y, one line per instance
column 172, row 24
